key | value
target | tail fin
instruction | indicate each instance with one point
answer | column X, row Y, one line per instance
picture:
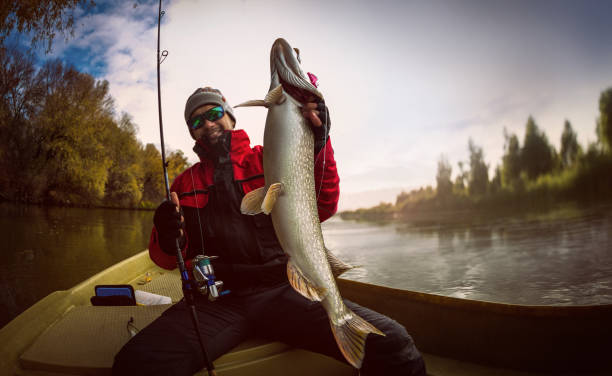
column 351, row 337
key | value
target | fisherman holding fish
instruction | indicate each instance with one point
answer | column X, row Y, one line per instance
column 258, row 209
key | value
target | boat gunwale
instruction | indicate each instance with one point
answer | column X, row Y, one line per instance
column 485, row 306
column 412, row 312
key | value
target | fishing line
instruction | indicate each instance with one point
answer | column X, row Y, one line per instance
column 197, row 209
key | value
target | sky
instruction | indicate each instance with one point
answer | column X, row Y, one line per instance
column 405, row 81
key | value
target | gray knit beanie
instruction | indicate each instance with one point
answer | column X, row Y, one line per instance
column 204, row 96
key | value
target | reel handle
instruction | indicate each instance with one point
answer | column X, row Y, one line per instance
column 204, row 274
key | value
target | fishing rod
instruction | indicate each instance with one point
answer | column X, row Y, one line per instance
column 188, row 287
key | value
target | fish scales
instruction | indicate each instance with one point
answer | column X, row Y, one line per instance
column 289, row 197
column 295, row 215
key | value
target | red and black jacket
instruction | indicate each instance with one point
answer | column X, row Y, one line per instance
column 210, row 193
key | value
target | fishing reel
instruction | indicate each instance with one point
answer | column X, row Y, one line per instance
column 205, row 278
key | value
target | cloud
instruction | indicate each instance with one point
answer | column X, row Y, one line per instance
column 116, row 42
column 405, row 82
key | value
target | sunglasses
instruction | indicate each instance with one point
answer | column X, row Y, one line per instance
column 213, row 114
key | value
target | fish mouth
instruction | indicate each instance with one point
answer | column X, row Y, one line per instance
column 299, row 94
column 286, row 71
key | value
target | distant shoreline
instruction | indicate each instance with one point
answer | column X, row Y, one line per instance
column 75, row 206
column 388, row 213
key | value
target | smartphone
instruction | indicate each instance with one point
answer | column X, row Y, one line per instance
column 115, row 290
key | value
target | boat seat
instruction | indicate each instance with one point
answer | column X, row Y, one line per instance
column 73, row 346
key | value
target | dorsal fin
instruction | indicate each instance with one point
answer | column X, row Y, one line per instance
column 253, row 103
column 274, row 96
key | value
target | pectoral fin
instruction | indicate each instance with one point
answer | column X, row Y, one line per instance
column 303, row 285
column 268, row 202
column 252, row 201
column 338, row 267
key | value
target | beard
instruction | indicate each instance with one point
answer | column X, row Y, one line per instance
column 212, row 134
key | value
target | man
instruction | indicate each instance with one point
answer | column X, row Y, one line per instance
column 251, row 262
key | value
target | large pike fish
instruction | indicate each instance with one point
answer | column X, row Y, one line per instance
column 289, row 196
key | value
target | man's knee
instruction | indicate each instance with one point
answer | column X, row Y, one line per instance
column 392, row 354
column 161, row 348
column 124, row 363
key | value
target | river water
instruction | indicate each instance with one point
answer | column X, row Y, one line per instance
column 563, row 257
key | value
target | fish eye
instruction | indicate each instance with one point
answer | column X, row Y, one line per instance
column 297, row 51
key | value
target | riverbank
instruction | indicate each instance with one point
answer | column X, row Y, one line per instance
column 588, row 183
column 146, row 206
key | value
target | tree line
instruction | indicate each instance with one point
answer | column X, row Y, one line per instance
column 531, row 173
column 62, row 142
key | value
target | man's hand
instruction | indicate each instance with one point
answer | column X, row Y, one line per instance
column 318, row 116
column 169, row 224
column 311, row 112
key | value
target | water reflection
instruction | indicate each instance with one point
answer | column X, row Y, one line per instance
column 560, row 257
column 49, row 249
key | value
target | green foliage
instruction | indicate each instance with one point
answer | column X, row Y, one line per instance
column 408, row 199
column 382, row 212
column 604, row 122
column 511, row 162
column 444, row 186
column 537, row 155
column 124, row 183
column 153, row 189
column 74, row 117
column 460, row 180
column 570, row 149
column 61, row 142
column 41, row 18
column 593, row 178
column 20, row 94
column 177, row 163
column 496, row 183
column 478, row 179
column 531, row 177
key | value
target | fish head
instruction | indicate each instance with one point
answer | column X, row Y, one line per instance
column 285, row 70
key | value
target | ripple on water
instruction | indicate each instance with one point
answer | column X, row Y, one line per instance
column 562, row 258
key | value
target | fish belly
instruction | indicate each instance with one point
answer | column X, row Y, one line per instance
column 289, row 159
